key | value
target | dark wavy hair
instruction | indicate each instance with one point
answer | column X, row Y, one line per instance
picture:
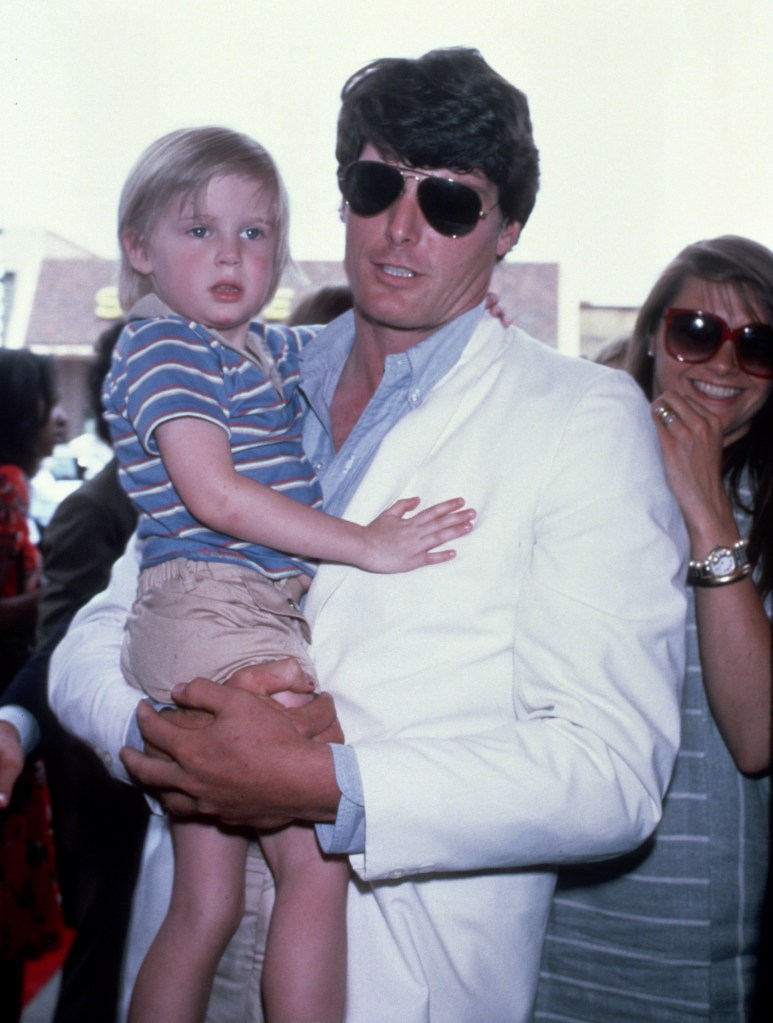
column 445, row 109
column 747, row 267
column 27, row 395
column 98, row 370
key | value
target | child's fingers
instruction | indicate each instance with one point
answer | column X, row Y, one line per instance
column 403, row 506
column 437, row 537
column 439, row 511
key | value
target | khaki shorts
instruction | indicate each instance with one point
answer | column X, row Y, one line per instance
column 204, row 618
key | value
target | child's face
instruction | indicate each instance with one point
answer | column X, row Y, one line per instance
column 212, row 260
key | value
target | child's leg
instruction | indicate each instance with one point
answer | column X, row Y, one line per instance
column 175, row 980
column 304, row 972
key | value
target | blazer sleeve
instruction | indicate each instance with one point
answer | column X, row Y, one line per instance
column 86, row 689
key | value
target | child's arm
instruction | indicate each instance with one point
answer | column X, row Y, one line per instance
column 198, row 458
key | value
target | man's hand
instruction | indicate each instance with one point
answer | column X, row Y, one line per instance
column 11, row 761
column 245, row 760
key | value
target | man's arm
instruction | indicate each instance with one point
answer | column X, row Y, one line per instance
column 93, row 700
column 578, row 771
column 86, row 688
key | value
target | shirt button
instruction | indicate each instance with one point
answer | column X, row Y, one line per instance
column 414, row 397
column 395, row 875
column 319, row 466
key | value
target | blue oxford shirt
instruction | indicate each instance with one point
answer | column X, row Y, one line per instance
column 408, row 377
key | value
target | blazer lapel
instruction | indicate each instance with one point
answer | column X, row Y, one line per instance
column 408, row 445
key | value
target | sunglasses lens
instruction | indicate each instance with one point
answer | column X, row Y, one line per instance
column 697, row 337
column 449, row 207
column 370, row 187
column 692, row 337
column 755, row 350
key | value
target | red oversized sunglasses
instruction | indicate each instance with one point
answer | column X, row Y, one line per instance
column 694, row 336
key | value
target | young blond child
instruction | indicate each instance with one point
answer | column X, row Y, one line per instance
column 205, row 413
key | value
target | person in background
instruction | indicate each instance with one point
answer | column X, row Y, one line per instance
column 613, row 352
column 670, row 933
column 91, row 526
column 30, row 918
column 30, row 425
column 515, row 706
column 99, row 824
column 322, row 305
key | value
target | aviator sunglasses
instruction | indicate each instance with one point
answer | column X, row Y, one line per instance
column 694, row 336
column 448, row 206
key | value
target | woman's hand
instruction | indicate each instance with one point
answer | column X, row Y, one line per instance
column 691, row 442
column 734, row 634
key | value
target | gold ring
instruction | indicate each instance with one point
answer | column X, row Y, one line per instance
column 666, row 415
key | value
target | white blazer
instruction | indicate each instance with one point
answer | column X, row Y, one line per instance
column 511, row 710
column 517, row 706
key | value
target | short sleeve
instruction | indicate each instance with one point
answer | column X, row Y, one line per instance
column 166, row 370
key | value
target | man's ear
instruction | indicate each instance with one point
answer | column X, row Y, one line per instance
column 134, row 247
column 508, row 238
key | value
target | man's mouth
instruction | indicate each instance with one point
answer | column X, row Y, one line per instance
column 397, row 271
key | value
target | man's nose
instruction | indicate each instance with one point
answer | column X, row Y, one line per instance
column 405, row 221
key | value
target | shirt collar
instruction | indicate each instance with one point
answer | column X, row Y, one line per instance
column 323, row 360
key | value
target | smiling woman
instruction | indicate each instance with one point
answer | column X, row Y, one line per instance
column 703, row 350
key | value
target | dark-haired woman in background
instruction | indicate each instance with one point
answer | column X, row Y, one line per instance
column 29, row 425
column 30, row 919
column 670, row 933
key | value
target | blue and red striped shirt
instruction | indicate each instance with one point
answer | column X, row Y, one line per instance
column 168, row 367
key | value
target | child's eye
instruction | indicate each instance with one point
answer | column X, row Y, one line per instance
column 198, row 232
column 252, row 233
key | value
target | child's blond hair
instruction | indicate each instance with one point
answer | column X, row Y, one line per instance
column 181, row 164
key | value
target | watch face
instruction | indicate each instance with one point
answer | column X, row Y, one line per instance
column 721, row 562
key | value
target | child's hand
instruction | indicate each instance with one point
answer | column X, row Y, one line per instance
column 394, row 543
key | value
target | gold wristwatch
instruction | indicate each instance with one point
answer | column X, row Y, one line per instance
column 723, row 565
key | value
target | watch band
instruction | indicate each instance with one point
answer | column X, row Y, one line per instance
column 723, row 565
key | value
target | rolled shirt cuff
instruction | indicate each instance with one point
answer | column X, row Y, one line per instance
column 25, row 723
column 347, row 834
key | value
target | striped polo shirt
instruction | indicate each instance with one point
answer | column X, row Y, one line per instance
column 166, row 367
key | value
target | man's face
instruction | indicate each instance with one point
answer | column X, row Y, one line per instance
column 407, row 277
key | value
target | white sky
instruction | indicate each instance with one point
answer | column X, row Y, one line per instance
column 654, row 118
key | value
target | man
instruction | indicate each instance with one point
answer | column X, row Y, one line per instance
column 513, row 708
